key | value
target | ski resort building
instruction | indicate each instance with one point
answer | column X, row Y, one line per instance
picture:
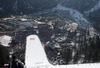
column 5, row 40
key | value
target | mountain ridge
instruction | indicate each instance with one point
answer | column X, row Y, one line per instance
column 89, row 9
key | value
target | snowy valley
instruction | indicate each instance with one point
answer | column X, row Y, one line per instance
column 68, row 29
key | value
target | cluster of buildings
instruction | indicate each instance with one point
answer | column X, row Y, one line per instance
column 56, row 36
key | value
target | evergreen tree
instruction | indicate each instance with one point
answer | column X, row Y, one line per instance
column 67, row 55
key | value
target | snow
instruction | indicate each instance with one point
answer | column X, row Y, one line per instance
column 15, row 5
column 77, row 16
column 26, row 24
column 96, row 7
column 23, row 19
column 38, row 22
column 9, row 18
column 30, row 6
column 91, row 32
column 35, row 56
column 72, row 43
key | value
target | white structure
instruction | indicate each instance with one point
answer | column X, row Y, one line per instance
column 23, row 19
column 5, row 40
column 91, row 32
column 36, row 57
column 35, row 54
column 9, row 18
column 38, row 22
column 73, row 27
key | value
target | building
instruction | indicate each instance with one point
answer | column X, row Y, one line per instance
column 5, row 40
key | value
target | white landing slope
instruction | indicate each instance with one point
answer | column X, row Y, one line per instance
column 35, row 56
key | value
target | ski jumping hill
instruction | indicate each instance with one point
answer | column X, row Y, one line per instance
column 35, row 56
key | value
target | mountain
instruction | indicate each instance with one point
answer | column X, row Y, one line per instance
column 31, row 6
column 83, row 12
column 80, row 5
column 25, row 6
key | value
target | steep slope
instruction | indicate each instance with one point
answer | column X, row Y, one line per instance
column 80, row 5
column 77, row 10
column 76, row 15
column 25, row 6
column 30, row 6
column 96, row 7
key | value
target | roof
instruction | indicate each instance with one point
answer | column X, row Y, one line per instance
column 5, row 40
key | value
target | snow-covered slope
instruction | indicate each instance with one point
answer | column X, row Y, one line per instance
column 96, row 7
column 35, row 56
column 20, row 6
column 80, row 5
column 76, row 15
column 15, row 7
